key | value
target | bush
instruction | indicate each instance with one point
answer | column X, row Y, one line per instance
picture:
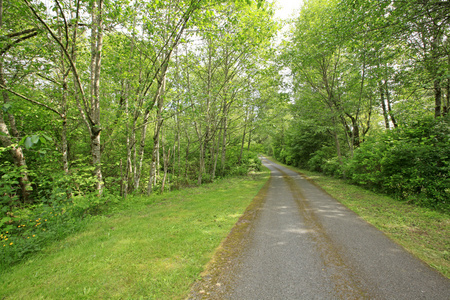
column 249, row 162
column 65, row 203
column 323, row 160
column 412, row 163
column 332, row 167
column 27, row 230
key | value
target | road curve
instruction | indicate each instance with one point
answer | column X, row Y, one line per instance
column 303, row 244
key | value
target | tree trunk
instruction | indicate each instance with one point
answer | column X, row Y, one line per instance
column 243, row 136
column 383, row 106
column 178, row 170
column 155, row 152
column 158, row 95
column 215, row 155
column 97, row 44
column 224, row 138
column 129, row 147
column 388, row 101
column 19, row 160
column 208, row 105
column 437, row 98
column 336, row 141
column 65, row 91
column 447, row 103
column 166, row 158
column 186, row 160
column 122, row 192
column 355, row 132
column 201, row 163
column 64, row 147
column 249, row 139
column 138, row 167
column 16, row 151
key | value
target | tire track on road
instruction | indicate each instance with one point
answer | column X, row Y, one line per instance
column 346, row 283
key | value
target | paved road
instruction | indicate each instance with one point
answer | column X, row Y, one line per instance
column 305, row 245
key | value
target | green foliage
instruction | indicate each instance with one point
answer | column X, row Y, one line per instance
column 27, row 230
column 249, row 163
column 62, row 202
column 413, row 163
column 367, row 79
column 35, row 141
column 323, row 160
column 9, row 180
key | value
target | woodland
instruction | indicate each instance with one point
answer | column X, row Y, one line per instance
column 107, row 99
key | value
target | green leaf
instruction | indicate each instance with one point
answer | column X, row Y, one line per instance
column 5, row 220
column 47, row 137
column 28, row 143
column 6, row 107
column 35, row 139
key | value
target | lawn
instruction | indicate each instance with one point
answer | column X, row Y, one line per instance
column 145, row 247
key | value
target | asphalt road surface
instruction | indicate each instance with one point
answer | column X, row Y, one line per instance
column 303, row 244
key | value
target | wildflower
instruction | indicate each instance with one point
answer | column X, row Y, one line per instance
column 11, row 243
column 45, row 220
column 33, row 235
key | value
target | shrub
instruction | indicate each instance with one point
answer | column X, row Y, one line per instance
column 249, row 162
column 63, row 207
column 412, row 163
column 27, row 230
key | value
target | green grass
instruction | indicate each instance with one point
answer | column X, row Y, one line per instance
column 421, row 231
column 149, row 247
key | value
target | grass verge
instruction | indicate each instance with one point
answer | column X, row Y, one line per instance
column 145, row 248
column 421, row 231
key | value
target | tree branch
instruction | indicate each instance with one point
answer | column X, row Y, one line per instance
column 72, row 64
column 7, row 47
column 31, row 100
